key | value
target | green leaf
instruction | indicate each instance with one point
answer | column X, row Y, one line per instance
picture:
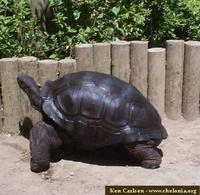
column 71, row 30
column 88, row 30
column 76, row 15
column 5, row 1
column 116, row 10
column 53, row 56
column 100, row 16
column 110, row 30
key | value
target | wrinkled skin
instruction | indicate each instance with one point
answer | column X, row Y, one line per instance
column 46, row 136
column 43, row 140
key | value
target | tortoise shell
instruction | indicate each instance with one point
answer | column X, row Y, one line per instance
column 100, row 109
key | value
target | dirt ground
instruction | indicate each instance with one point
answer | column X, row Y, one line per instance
column 84, row 173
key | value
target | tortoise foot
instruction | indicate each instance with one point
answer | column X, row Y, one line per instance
column 146, row 153
column 39, row 166
column 151, row 164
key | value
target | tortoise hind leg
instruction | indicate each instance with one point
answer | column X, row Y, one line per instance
column 43, row 138
column 148, row 155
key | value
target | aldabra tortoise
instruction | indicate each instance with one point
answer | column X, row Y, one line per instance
column 92, row 110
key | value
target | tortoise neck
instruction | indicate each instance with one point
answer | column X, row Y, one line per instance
column 29, row 86
column 34, row 96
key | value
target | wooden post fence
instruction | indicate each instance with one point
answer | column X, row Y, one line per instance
column 120, row 52
column 139, row 65
column 1, row 107
column 156, row 78
column 84, row 57
column 16, row 106
column 48, row 70
column 191, row 80
column 169, row 77
column 174, row 78
column 66, row 66
column 102, row 57
column 1, row 116
column 10, row 94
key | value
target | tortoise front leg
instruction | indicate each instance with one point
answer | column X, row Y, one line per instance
column 43, row 138
column 148, row 155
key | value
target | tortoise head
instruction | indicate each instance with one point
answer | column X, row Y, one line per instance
column 29, row 86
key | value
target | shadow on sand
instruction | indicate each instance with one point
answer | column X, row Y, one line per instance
column 107, row 156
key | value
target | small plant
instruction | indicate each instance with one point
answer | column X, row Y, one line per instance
column 88, row 21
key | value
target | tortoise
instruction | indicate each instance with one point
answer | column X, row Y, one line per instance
column 92, row 110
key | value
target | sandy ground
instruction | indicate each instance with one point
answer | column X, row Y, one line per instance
column 89, row 173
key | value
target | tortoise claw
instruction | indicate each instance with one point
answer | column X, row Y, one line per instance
column 39, row 166
column 151, row 164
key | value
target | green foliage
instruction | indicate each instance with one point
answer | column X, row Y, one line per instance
column 192, row 18
column 172, row 19
column 94, row 21
column 88, row 21
column 19, row 33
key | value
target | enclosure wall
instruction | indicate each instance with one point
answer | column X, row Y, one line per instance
column 168, row 77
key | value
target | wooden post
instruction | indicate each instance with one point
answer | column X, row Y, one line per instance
column 84, row 57
column 28, row 65
column 1, row 105
column 48, row 70
column 10, row 94
column 139, row 65
column 102, row 57
column 1, row 119
column 156, row 78
column 191, row 80
column 120, row 53
column 174, row 78
column 66, row 66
